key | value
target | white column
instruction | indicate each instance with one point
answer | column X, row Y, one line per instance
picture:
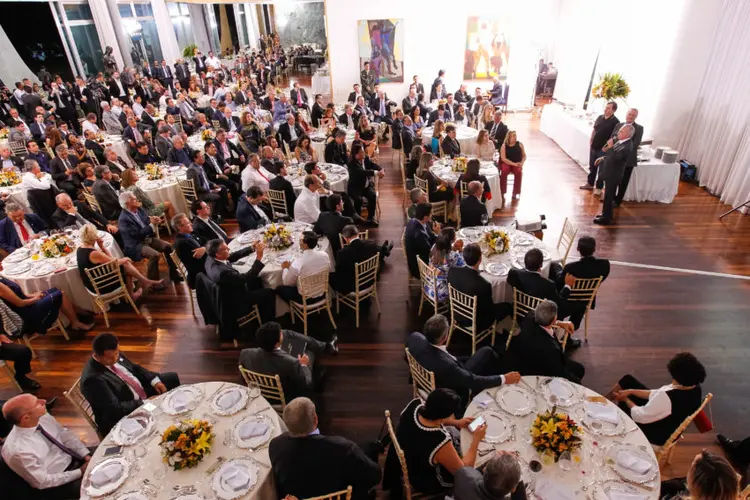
column 198, row 24
column 122, row 37
column 170, row 49
column 238, row 19
column 252, row 21
column 105, row 29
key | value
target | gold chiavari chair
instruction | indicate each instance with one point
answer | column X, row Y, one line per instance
column 50, row 151
column 245, row 320
column 463, row 311
column 187, row 187
column 91, row 200
column 180, row 266
column 665, row 452
column 312, row 287
column 523, row 304
column 584, row 290
column 339, row 495
column 92, row 157
column 178, row 123
column 278, row 203
column 463, row 189
column 18, row 148
column 216, row 124
column 105, row 276
column 81, row 404
column 363, row 235
column 365, row 286
column 405, row 201
column 28, row 338
column 422, row 379
column 5, row 365
column 269, row 385
column 408, row 492
column 429, row 279
column 439, row 208
column 565, row 242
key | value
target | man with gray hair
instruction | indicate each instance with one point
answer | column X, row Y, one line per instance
column 630, row 118
column 417, row 196
column 62, row 168
column 537, row 349
column 612, row 169
column 473, row 211
column 110, row 120
column 106, row 193
column 308, row 464
column 501, row 479
column 33, row 177
column 18, row 228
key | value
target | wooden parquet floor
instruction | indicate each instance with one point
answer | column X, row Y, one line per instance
column 643, row 316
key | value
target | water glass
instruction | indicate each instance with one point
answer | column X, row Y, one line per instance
column 548, row 457
column 484, row 219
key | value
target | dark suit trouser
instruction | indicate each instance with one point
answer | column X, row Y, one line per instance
column 609, row 200
column 217, row 201
column 484, row 362
column 623, row 187
column 69, row 188
column 265, row 298
column 371, row 197
column 576, row 369
column 20, row 355
column 231, row 186
column 170, row 379
column 290, row 293
column 594, row 154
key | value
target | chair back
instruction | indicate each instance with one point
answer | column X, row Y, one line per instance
column 75, row 396
column 422, row 184
column 440, row 209
column 178, row 264
column 565, row 242
column 313, row 285
column 215, row 124
column 104, row 276
column 407, row 493
column 363, row 235
column 463, row 309
column 584, row 290
column 523, row 304
column 339, row 495
column 178, row 123
column 278, row 203
column 366, row 274
column 286, row 150
column 672, row 441
column 50, row 151
column 187, row 186
column 423, row 380
column 18, row 148
column 91, row 200
column 463, row 189
column 269, row 385
column 92, row 157
column 429, row 277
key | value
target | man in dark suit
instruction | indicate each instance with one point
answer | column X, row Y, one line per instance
column 118, row 88
column 227, row 150
column 418, row 87
column 180, row 153
column 349, row 119
column 114, row 386
column 18, row 228
column 251, row 211
column 94, row 146
column 381, row 108
column 335, row 151
column 408, row 139
column 468, row 280
column 331, row 222
column 182, row 73
column 144, row 155
column 450, row 145
column 132, row 133
column 317, row 111
column 298, row 97
column 362, row 172
column 354, row 94
column 497, row 129
column 290, row 131
column 105, row 193
column 163, row 142
column 308, row 464
column 537, row 351
column 219, row 171
column 204, row 228
column 633, row 158
column 499, row 93
column 165, row 75
column 612, row 170
column 62, row 168
column 355, row 251
column 200, row 62
column 207, row 191
column 586, row 268
column 114, row 163
column 419, row 236
column 37, row 129
column 147, row 118
column 475, row 374
column 30, row 102
column 71, row 213
column 7, row 160
column 472, row 208
column 281, row 183
column 38, row 156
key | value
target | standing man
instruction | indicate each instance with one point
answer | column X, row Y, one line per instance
column 612, row 170
column 604, row 126
column 633, row 158
column 367, row 78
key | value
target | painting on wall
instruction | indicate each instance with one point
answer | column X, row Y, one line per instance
column 487, row 48
column 381, row 41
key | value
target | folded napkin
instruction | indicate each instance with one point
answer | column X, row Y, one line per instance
column 228, row 399
column 235, row 477
column 633, row 462
column 603, row 412
column 560, row 389
column 552, row 490
column 482, row 400
column 622, row 495
column 180, row 401
column 130, row 426
column 106, row 474
column 253, row 429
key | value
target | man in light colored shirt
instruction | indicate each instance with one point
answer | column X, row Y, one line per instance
column 44, row 453
column 255, row 175
column 15, row 118
column 307, row 206
column 213, row 61
column 110, row 121
column 34, row 178
column 138, row 106
column 312, row 261
column 281, row 108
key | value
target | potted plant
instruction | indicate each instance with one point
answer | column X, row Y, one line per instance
column 189, row 51
column 611, row 86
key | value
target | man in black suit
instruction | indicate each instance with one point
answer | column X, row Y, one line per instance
column 475, row 374
column 180, row 154
column 94, row 146
column 219, row 171
column 118, row 88
column 418, row 87
column 612, row 169
column 281, row 183
column 18, row 228
column 633, row 158
column 204, row 228
column 349, row 119
column 330, row 223
column 419, row 236
column 182, row 73
column 207, row 191
column 251, row 210
column 37, row 128
column 114, row 386
column 537, row 351
column 76, row 214
column 165, row 76
column 144, row 155
column 586, row 268
column 200, row 62
column 497, row 129
column 317, row 111
column 308, row 464
column 298, row 97
column 438, row 81
column 381, row 108
column 114, row 163
column 227, row 150
column 62, row 168
column 362, row 171
column 163, row 142
column 354, row 94
column 132, row 133
column 355, row 251
column 468, row 280
column 105, row 193
column 335, row 151
column 472, row 208
column 450, row 145
column 30, row 102
column 290, row 131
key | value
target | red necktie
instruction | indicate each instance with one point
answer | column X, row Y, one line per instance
column 129, row 380
column 299, row 98
column 24, row 232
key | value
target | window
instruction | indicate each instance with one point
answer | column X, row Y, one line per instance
column 151, row 40
column 80, row 12
column 88, row 47
column 125, row 10
column 143, row 10
column 180, row 16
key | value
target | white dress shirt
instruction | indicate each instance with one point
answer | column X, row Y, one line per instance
column 37, row 460
column 31, row 181
column 7, row 164
column 126, row 373
column 261, row 212
column 137, row 109
column 310, row 262
column 659, row 406
column 215, row 62
column 87, row 125
column 307, row 207
column 252, row 177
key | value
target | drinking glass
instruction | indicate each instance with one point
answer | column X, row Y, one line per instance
column 548, row 457
column 565, row 461
column 484, row 219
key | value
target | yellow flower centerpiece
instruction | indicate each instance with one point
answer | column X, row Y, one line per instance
column 100, row 138
column 185, row 444
column 459, row 164
column 9, row 178
column 4, row 133
column 207, row 135
column 497, row 241
column 555, row 432
column 153, row 171
column 277, row 237
column 58, row 245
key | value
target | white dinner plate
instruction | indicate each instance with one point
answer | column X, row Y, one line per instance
column 254, row 441
column 235, row 478
column 17, row 269
column 229, row 400
column 132, row 495
column 144, row 420
column 516, row 400
column 186, row 398
column 43, row 269
column 599, row 426
column 497, row 268
column 618, row 452
column 17, row 256
column 499, row 428
column 560, row 392
column 616, row 490
column 98, row 490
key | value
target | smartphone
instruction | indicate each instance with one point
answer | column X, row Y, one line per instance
column 476, row 424
column 112, row 450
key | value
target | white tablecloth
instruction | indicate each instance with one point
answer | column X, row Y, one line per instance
column 654, row 180
column 271, row 273
column 69, row 280
column 442, row 169
column 151, row 470
column 120, row 147
column 466, row 137
column 17, row 193
column 338, row 178
column 590, row 473
column 520, row 244
column 321, row 84
column 318, row 142
column 166, row 189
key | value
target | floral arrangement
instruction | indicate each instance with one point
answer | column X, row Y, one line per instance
column 9, row 178
column 277, row 237
column 185, row 444
column 189, row 50
column 58, row 245
column 153, row 171
column 207, row 135
column 194, row 94
column 459, row 164
column 497, row 241
column 611, row 86
column 4, row 133
column 100, row 137
column 556, row 432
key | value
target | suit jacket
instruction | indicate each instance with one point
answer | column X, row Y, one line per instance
column 330, row 224
column 279, row 183
column 42, row 159
column 210, row 169
column 200, row 64
column 419, row 241
column 109, row 396
column 499, row 93
column 336, row 153
column 587, row 267
column 247, row 217
column 346, row 260
column 500, row 132
column 197, row 174
column 358, row 174
column 293, row 96
column 286, row 135
column 613, row 165
column 472, row 210
column 316, row 114
column 185, row 244
column 114, row 90
column 116, row 167
column 30, row 103
column 468, row 484
column 57, row 169
column 37, row 131
column 535, row 352
column 148, row 120
column 450, row 373
column 107, row 198
column 231, row 281
column 204, row 233
column 16, row 161
column 397, row 127
column 375, row 106
column 635, row 139
column 163, row 145
column 536, row 285
column 468, row 280
column 141, row 160
column 9, row 239
column 97, row 149
column 315, row 465
column 233, row 150
column 133, row 234
column 63, row 219
column 296, row 379
column 176, row 157
column 451, row 147
column 224, row 123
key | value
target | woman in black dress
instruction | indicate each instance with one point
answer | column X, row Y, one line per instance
column 438, row 189
column 472, row 174
column 367, row 136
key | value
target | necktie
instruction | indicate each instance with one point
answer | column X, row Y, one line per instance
column 24, row 232
column 261, row 174
column 216, row 165
column 217, row 229
column 382, row 107
column 299, row 98
column 130, row 381
column 492, row 132
column 57, row 443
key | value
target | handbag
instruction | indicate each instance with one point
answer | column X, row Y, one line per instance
column 12, row 322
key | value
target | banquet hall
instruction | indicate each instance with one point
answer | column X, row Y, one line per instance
column 628, row 128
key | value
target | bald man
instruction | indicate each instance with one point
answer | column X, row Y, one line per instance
column 45, row 454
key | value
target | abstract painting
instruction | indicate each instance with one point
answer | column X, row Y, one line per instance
column 381, row 41
column 487, row 48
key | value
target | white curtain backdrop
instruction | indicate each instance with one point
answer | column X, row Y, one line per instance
column 12, row 67
column 717, row 138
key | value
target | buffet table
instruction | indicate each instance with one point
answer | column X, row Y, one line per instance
column 321, row 84
column 237, row 465
column 614, row 461
column 466, row 137
column 443, row 170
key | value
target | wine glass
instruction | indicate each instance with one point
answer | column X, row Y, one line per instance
column 484, row 218
column 548, row 457
column 566, row 461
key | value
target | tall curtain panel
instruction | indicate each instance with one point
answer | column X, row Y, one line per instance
column 717, row 138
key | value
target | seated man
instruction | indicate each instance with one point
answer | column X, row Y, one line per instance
column 462, row 376
column 62, row 168
column 206, row 190
column 18, row 228
column 45, row 454
column 362, row 172
column 537, row 351
column 105, row 193
column 468, row 280
column 251, row 210
column 531, row 282
column 281, row 183
column 139, row 237
column 205, row 228
column 417, row 197
column 419, row 236
column 330, row 224
column 114, row 386
column 220, row 172
column 355, row 251
column 472, row 208
column 501, row 479
column 307, row 464
column 586, row 268
column 144, row 155
column 288, row 354
column 21, row 357
column 313, row 168
column 335, row 151
column 307, row 206
column 71, row 213
column 312, row 261
column 450, row 144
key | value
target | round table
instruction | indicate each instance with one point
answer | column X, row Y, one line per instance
column 509, row 424
column 17, row 193
column 166, row 189
column 442, row 170
column 196, row 143
column 150, row 476
column 466, row 137
column 318, row 142
column 272, row 272
column 120, row 147
column 336, row 175
column 495, row 268
column 68, row 279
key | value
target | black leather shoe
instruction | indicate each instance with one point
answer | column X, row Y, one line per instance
column 602, row 221
column 573, row 343
column 27, row 384
column 728, row 445
column 373, row 223
column 50, row 403
column 331, row 347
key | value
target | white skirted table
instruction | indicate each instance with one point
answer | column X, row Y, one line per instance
column 17, row 193
column 272, row 272
column 321, row 83
column 614, row 461
column 654, row 180
column 318, row 142
column 443, row 170
column 336, row 175
column 120, row 147
column 237, row 466
column 62, row 272
column 466, row 137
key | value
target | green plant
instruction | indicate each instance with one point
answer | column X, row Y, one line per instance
column 189, row 51
column 611, row 86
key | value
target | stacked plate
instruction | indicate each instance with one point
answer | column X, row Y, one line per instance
column 17, row 269
column 106, row 476
column 17, row 256
column 235, row 478
column 499, row 429
column 252, row 431
column 516, row 400
column 44, row 269
column 181, row 400
column 133, row 429
column 230, row 400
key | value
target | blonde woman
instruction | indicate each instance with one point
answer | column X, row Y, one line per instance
column 485, row 147
column 367, row 136
column 92, row 252
column 512, row 156
column 329, row 120
column 437, row 137
column 486, row 116
column 438, row 190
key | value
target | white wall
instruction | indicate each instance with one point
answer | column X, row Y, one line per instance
column 428, row 49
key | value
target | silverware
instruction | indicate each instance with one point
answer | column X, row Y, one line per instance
column 215, row 466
